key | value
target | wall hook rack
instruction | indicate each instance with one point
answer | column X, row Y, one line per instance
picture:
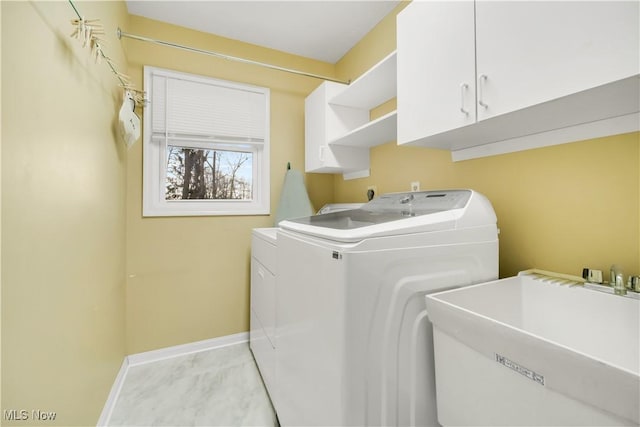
column 87, row 31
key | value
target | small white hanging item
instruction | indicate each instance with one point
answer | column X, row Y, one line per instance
column 128, row 120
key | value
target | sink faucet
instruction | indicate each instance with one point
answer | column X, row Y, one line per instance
column 617, row 280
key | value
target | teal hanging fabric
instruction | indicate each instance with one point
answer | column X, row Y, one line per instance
column 294, row 200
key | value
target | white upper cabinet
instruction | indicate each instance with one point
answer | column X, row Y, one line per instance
column 436, row 68
column 476, row 73
column 338, row 129
column 536, row 51
column 325, row 122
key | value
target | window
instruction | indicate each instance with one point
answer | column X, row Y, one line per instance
column 206, row 146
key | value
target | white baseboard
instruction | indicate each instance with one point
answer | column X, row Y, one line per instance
column 183, row 349
column 105, row 416
column 162, row 354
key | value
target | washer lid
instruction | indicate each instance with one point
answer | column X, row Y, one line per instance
column 395, row 213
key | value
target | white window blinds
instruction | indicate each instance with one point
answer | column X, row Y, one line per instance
column 222, row 128
column 215, row 110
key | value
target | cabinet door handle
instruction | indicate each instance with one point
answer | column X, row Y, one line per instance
column 463, row 89
column 321, row 153
column 481, row 79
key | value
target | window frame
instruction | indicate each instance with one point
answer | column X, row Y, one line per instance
column 155, row 159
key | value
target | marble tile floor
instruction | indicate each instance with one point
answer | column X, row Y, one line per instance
column 220, row 387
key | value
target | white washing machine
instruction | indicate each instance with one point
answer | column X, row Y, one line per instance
column 354, row 340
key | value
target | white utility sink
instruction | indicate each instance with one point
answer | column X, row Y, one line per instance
column 536, row 350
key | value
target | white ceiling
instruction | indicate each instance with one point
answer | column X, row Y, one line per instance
column 323, row 30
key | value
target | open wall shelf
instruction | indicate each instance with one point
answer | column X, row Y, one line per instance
column 371, row 89
column 376, row 132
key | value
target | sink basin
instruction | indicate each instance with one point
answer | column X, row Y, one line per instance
column 536, row 350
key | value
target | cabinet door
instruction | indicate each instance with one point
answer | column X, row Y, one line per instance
column 263, row 297
column 315, row 130
column 536, row 51
column 436, row 59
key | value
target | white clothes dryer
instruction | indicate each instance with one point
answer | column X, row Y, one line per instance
column 354, row 340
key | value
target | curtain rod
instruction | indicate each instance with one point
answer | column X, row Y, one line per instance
column 121, row 34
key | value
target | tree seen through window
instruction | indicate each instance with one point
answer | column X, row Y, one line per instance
column 208, row 174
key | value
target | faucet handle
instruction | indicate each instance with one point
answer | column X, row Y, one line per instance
column 617, row 280
column 620, row 288
column 634, row 283
column 614, row 272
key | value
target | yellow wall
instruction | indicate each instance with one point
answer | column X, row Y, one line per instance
column 63, row 214
column 0, row 211
column 188, row 277
column 559, row 208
